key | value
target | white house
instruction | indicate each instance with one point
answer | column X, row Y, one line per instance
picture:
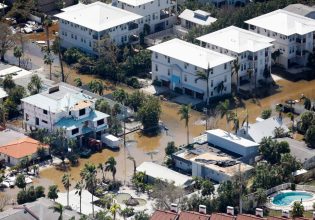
column 67, row 108
column 175, row 65
column 253, row 52
column 3, row 95
column 83, row 26
column 293, row 35
column 158, row 14
column 193, row 19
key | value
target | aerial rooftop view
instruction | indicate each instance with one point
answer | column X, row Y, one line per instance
column 157, row 110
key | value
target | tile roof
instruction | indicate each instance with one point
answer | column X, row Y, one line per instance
column 163, row 215
column 248, row 217
column 222, row 216
column 21, row 148
column 185, row 215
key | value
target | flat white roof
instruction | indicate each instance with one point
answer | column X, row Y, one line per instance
column 163, row 173
column 191, row 53
column 284, row 22
column 14, row 71
column 190, row 15
column 237, row 40
column 135, row 2
column 74, row 7
column 3, row 93
column 2, row 6
column 232, row 138
column 98, row 16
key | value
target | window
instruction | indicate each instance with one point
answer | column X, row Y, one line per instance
column 82, row 112
column 168, row 59
column 45, row 112
column 69, row 112
column 156, row 67
column 75, row 131
column 36, row 121
column 195, row 67
column 212, row 93
column 168, row 72
column 185, row 78
column 211, row 83
column 186, row 65
column 100, row 122
column 225, row 78
column 26, row 117
column 46, row 122
column 156, row 55
column 225, row 66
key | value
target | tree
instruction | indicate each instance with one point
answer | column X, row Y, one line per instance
column 236, row 122
column 35, row 85
column 47, row 24
column 170, row 148
column 120, row 96
column 297, row 209
column 3, row 114
column 114, row 209
column 66, row 183
column 184, row 113
column 40, row 191
column 102, row 106
column 88, row 174
column 236, row 68
column 127, row 212
column 18, row 53
column 53, row 192
column 307, row 119
column 136, row 99
column 266, row 113
column 79, row 186
column 149, row 113
column 16, row 94
column 20, row 181
column 56, row 48
column 266, row 176
column 8, row 83
column 310, row 136
column 110, row 165
column 101, row 168
column 289, row 164
column 59, row 209
column 275, row 55
column 41, row 152
column 142, row 216
column 260, row 197
column 49, row 60
column 279, row 132
column 6, row 40
column 271, row 150
column 78, row 82
column 96, row 86
column 134, row 164
column 228, row 195
column 138, row 180
column 207, row 188
column 223, row 108
column 220, row 87
column 204, row 75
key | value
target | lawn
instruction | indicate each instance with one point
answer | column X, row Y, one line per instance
column 307, row 214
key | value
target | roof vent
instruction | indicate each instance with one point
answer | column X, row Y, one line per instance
column 285, row 213
column 53, row 89
column 259, row 212
column 174, row 207
column 230, row 210
column 202, row 209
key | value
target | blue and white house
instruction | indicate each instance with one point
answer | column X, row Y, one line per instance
column 175, row 65
column 64, row 107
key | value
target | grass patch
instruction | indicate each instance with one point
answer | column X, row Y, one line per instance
column 276, row 213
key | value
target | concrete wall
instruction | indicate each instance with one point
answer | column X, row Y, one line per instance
column 207, row 173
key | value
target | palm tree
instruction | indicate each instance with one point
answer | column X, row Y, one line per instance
column 48, row 60
column 184, row 113
column 134, row 164
column 35, row 85
column 47, row 24
column 66, row 183
column 204, row 76
column 79, row 188
column 88, row 174
column 250, row 75
column 56, row 48
column 110, row 165
column 58, row 208
column 18, row 53
column 114, row 209
column 220, row 87
column 236, row 68
column 223, row 108
column 236, row 122
column 245, row 120
column 3, row 114
column 78, row 82
column 101, row 167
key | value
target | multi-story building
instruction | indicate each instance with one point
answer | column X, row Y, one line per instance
column 293, row 36
column 175, row 65
column 253, row 52
column 193, row 19
column 158, row 14
column 83, row 26
column 67, row 108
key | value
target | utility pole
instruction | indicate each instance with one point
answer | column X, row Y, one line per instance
column 241, row 189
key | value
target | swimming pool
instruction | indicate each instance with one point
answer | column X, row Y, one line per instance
column 287, row 198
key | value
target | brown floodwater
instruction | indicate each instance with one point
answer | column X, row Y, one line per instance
column 139, row 145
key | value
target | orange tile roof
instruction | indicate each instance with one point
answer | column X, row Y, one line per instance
column 248, row 217
column 163, row 215
column 222, row 216
column 184, row 215
column 21, row 148
column 276, row 218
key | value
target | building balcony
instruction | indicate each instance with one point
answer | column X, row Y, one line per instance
column 164, row 15
column 300, row 53
column 299, row 40
column 251, row 58
column 266, row 54
column 95, row 37
column 132, row 26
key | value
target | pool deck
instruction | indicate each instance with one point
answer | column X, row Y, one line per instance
column 308, row 204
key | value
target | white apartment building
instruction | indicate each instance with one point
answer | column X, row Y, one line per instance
column 83, row 26
column 64, row 107
column 252, row 50
column 175, row 64
column 293, row 35
column 193, row 19
column 158, row 14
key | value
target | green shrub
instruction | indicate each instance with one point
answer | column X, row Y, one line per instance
column 266, row 113
column 134, row 83
column 72, row 55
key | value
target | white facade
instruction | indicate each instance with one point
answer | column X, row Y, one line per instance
column 175, row 64
column 293, row 35
column 64, row 108
column 84, row 26
column 253, row 52
column 158, row 14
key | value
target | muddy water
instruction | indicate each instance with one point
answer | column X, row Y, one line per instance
column 138, row 145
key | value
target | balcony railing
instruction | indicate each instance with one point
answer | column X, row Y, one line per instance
column 164, row 15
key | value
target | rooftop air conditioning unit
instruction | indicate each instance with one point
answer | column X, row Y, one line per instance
column 230, row 210
column 286, row 213
column 174, row 207
column 259, row 212
column 202, row 209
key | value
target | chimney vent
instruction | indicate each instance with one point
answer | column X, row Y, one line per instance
column 286, row 213
column 259, row 212
column 230, row 210
column 174, row 207
column 203, row 209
